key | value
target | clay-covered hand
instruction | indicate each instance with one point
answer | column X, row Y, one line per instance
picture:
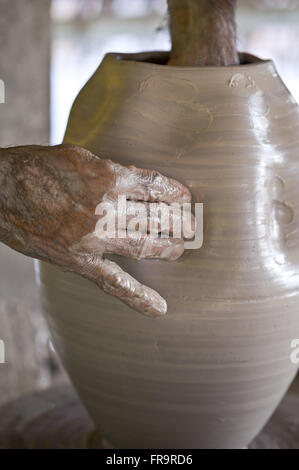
column 48, row 201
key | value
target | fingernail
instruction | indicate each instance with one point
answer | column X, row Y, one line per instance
column 189, row 229
column 158, row 308
column 172, row 252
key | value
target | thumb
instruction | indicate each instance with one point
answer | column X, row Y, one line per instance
column 114, row 281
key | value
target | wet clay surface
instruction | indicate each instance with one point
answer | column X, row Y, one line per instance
column 55, row 419
column 219, row 362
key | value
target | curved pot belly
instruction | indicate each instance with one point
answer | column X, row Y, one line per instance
column 211, row 372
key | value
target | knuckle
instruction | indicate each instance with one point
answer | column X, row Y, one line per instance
column 70, row 147
column 132, row 168
column 117, row 282
column 110, row 166
column 155, row 176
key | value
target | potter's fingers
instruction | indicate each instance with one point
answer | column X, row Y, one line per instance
column 160, row 217
column 114, row 281
column 153, row 186
column 155, row 217
column 141, row 247
column 132, row 245
column 148, row 185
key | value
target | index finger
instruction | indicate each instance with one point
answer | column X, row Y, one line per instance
column 151, row 186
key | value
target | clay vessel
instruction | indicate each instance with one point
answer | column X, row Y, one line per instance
column 211, row 372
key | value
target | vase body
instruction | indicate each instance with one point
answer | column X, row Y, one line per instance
column 211, row 372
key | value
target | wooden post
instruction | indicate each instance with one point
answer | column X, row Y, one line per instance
column 203, row 32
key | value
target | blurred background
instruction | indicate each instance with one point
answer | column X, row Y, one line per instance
column 48, row 49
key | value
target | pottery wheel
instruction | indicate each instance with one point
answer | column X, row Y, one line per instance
column 55, row 419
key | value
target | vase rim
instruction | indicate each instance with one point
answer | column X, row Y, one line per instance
column 159, row 59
